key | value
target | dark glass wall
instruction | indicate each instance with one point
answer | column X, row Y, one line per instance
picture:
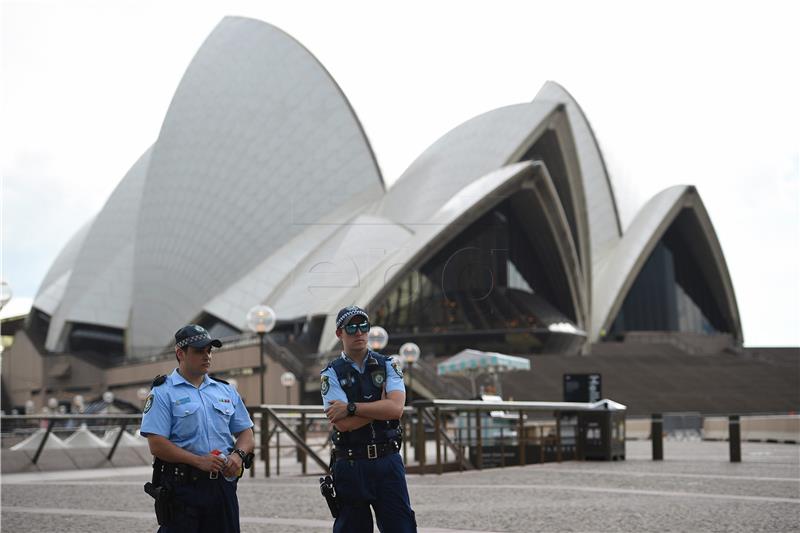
column 489, row 288
column 671, row 293
column 90, row 338
column 548, row 151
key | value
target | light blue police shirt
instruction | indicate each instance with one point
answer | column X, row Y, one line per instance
column 198, row 420
column 394, row 380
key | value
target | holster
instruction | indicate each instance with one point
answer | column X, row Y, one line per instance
column 163, row 504
column 165, row 510
column 328, row 490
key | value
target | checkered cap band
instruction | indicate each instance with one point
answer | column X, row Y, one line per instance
column 189, row 340
column 349, row 312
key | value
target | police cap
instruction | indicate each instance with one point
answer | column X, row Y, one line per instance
column 347, row 313
column 195, row 336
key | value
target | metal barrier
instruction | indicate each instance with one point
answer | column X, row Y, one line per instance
column 124, row 419
column 486, row 445
column 471, row 412
column 734, row 437
column 302, row 415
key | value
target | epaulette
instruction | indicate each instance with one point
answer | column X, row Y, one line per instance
column 220, row 380
column 338, row 361
column 159, row 380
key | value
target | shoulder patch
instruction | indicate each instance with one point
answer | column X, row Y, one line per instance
column 397, row 369
column 159, row 380
column 218, row 379
column 324, row 385
column 148, row 403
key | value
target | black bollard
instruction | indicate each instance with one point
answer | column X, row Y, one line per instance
column 735, row 438
column 657, row 436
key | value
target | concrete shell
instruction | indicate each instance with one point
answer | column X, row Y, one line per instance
column 482, row 145
column 262, row 188
column 101, row 283
column 601, row 207
column 258, row 143
column 622, row 265
column 52, row 288
column 329, row 266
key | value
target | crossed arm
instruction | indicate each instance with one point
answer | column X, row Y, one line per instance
column 389, row 407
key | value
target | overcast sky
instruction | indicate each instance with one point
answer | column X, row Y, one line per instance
column 700, row 93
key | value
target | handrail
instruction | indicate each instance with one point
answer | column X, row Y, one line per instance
column 418, row 409
column 98, row 416
column 482, row 405
column 436, row 421
column 283, row 408
column 296, row 438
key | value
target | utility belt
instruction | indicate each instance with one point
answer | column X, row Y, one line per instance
column 182, row 473
column 366, row 451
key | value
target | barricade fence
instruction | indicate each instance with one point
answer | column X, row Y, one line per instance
column 458, row 435
column 45, row 424
column 438, row 435
column 777, row 428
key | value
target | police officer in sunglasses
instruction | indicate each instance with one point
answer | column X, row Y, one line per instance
column 363, row 395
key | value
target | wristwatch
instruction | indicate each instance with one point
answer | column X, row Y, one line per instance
column 247, row 458
column 351, row 409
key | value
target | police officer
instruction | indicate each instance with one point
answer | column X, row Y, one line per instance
column 363, row 395
column 187, row 416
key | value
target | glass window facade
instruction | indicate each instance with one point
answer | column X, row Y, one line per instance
column 671, row 292
column 489, row 288
column 91, row 338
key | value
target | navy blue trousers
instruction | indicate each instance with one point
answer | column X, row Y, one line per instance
column 380, row 483
column 209, row 506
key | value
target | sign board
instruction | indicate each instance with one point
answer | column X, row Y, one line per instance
column 582, row 387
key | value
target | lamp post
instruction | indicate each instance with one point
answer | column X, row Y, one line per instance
column 288, row 380
column 261, row 320
column 409, row 352
column 5, row 297
column 5, row 293
column 377, row 338
column 78, row 403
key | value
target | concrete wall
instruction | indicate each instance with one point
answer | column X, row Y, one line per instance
column 22, row 371
column 25, row 370
column 81, row 374
column 126, row 380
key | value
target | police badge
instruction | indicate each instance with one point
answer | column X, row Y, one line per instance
column 148, row 404
column 378, row 377
column 324, row 385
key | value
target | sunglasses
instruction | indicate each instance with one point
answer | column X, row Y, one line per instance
column 351, row 329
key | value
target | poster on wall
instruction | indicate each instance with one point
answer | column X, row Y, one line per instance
column 582, row 387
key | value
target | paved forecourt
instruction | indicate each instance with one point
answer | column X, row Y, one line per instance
column 694, row 489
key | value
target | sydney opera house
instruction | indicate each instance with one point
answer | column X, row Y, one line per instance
column 262, row 188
